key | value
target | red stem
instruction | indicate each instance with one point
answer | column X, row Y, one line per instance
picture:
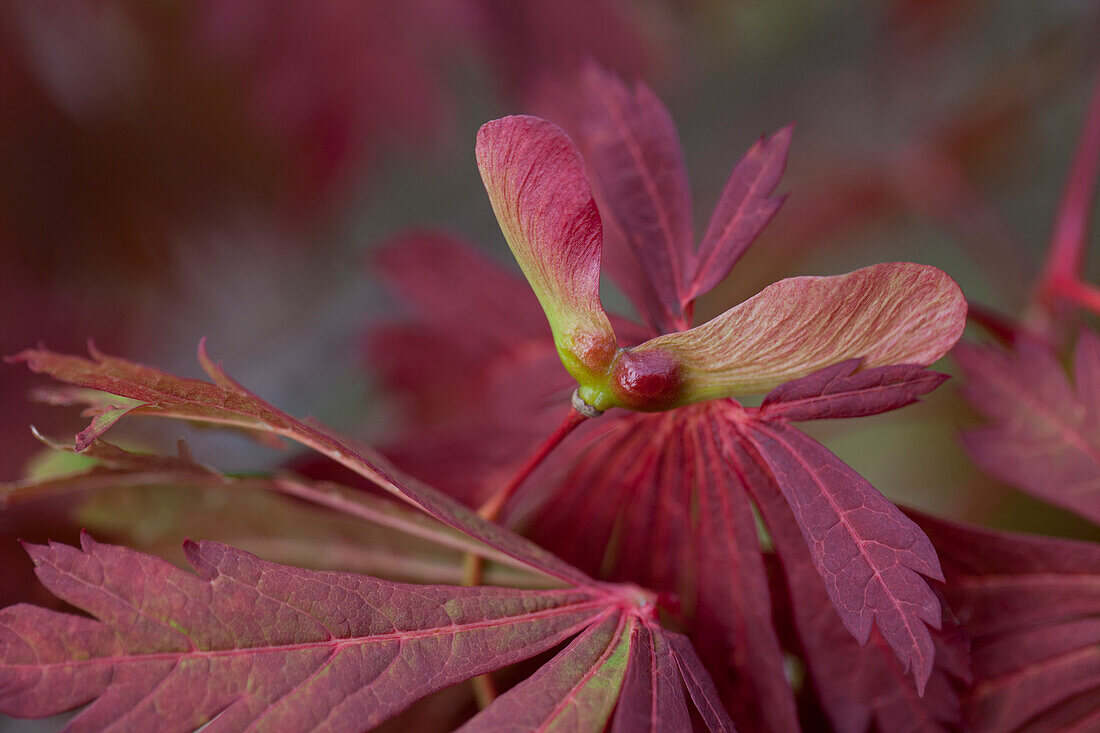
column 1067, row 240
column 485, row 689
column 491, row 509
column 1083, row 294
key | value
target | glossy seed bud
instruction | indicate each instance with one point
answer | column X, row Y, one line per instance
column 647, row 381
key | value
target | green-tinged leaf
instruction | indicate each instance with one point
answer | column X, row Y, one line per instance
column 251, row 516
column 249, row 643
column 227, row 403
column 575, row 691
column 159, row 500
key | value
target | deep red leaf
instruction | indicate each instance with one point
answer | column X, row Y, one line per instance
column 841, row 391
column 1031, row 606
column 653, row 693
column 652, row 500
column 638, row 174
column 860, row 687
column 252, row 643
column 744, row 209
column 432, row 271
column 734, row 629
column 699, row 685
column 869, row 554
column 1044, row 435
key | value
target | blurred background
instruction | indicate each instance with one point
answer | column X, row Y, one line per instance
column 223, row 168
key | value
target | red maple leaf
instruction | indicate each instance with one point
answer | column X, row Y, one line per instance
column 1031, row 607
column 659, row 498
column 1044, row 435
column 249, row 643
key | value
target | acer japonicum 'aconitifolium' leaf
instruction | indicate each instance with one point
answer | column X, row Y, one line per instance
column 152, row 501
column 1031, row 606
column 1044, row 432
column 245, row 643
column 253, row 643
column 897, row 313
column 225, row 402
column 624, row 506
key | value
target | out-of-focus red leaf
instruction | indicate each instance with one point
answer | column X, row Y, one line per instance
column 430, row 269
column 537, row 39
column 861, row 687
column 869, row 554
column 252, row 643
column 744, row 209
column 1031, row 607
column 228, row 403
column 1071, row 223
column 841, row 391
column 155, row 501
column 638, row 174
column 1044, row 435
column 472, row 404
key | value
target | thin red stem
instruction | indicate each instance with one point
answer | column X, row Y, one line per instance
column 1067, row 240
column 1083, row 294
column 491, row 509
column 485, row 690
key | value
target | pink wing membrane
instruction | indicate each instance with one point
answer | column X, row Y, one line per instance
column 537, row 185
column 893, row 313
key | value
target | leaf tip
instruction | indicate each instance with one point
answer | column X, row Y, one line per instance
column 87, row 543
column 198, row 555
column 36, row 552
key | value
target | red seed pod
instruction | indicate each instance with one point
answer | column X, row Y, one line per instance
column 647, row 381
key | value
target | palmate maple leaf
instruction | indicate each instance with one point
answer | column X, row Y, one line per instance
column 1031, row 606
column 1044, row 434
column 243, row 643
column 666, row 499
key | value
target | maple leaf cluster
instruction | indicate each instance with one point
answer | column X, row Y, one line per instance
column 670, row 554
